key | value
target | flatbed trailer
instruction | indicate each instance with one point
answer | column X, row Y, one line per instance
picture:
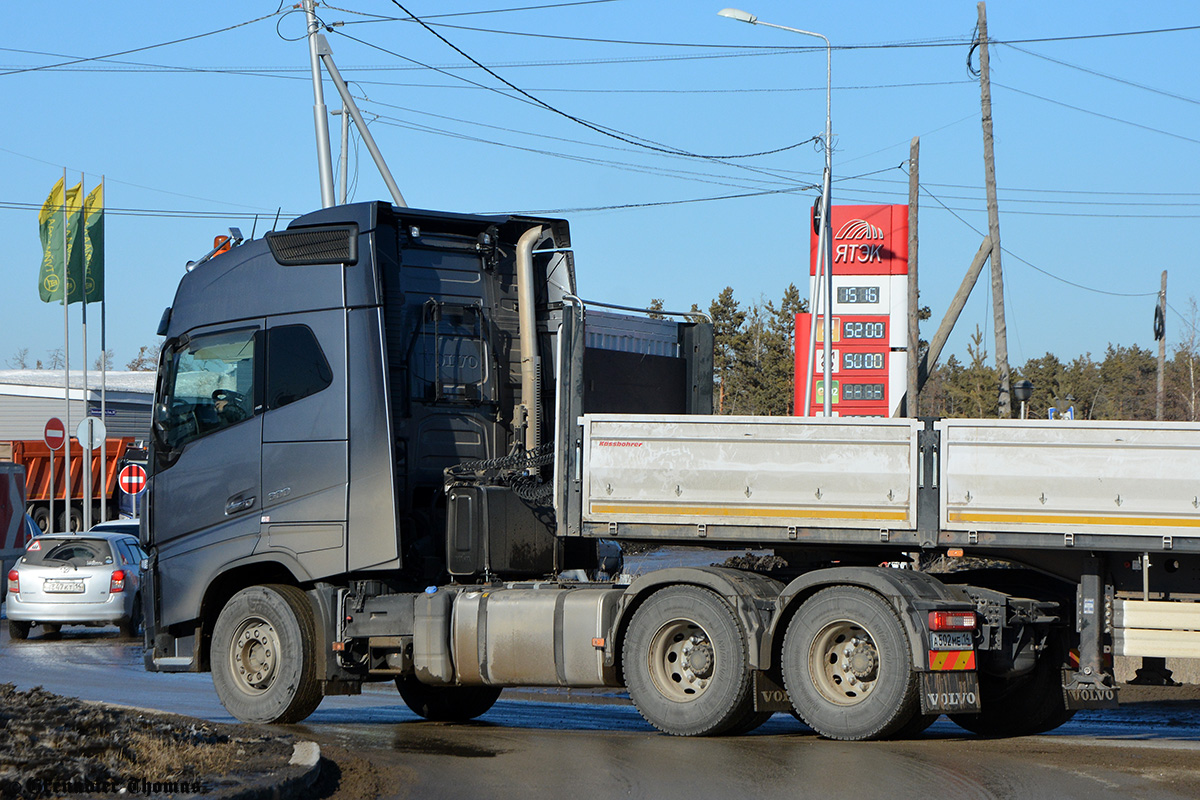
column 397, row 448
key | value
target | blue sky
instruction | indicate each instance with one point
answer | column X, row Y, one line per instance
column 1097, row 144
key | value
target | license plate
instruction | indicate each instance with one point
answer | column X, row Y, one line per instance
column 63, row 587
column 950, row 641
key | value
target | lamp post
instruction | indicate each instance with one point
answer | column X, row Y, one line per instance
column 825, row 239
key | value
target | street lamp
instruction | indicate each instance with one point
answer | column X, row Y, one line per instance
column 825, row 239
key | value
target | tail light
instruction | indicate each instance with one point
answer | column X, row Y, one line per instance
column 117, row 584
column 951, row 620
column 14, row 582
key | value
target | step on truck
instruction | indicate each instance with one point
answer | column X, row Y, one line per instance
column 395, row 445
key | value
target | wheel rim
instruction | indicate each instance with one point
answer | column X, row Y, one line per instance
column 682, row 660
column 844, row 663
column 254, row 655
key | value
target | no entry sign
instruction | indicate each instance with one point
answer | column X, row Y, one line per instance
column 132, row 479
column 55, row 433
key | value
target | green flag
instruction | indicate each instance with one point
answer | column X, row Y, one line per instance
column 93, row 245
column 50, row 220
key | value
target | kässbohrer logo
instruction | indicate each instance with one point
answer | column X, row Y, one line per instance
column 619, row 444
column 858, row 230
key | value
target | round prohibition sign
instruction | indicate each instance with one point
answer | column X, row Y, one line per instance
column 132, row 479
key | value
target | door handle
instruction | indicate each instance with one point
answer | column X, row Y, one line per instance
column 238, row 503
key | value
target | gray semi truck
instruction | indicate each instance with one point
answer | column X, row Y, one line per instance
column 389, row 444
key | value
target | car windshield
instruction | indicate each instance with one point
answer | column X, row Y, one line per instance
column 77, row 551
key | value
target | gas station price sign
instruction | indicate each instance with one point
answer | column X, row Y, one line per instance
column 869, row 331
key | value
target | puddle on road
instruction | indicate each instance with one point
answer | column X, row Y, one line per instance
column 435, row 747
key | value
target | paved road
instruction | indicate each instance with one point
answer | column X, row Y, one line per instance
column 550, row 744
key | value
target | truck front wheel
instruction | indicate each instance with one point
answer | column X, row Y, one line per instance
column 847, row 665
column 446, row 703
column 687, row 663
column 264, row 655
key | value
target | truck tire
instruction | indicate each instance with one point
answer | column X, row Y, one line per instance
column 686, row 663
column 18, row 631
column 41, row 518
column 264, row 659
column 71, row 522
column 848, row 667
column 1022, row 706
column 446, row 703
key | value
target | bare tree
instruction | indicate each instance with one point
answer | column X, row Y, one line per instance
column 146, row 359
column 20, row 359
column 54, row 358
column 103, row 361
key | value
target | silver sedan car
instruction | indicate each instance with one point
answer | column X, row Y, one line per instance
column 89, row 578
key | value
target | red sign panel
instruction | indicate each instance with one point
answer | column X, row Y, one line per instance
column 55, row 433
column 132, row 479
column 867, row 240
column 859, row 377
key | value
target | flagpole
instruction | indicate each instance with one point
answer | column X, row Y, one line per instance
column 103, row 388
column 66, row 370
column 85, row 455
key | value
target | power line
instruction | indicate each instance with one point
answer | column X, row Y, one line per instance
column 137, row 49
column 1098, row 114
column 1106, row 76
column 1031, row 264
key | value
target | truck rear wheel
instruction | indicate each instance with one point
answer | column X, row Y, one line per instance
column 847, row 665
column 1023, row 706
column 446, row 703
column 264, row 655
column 686, row 663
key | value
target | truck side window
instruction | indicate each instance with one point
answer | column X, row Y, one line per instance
column 209, row 385
column 296, row 367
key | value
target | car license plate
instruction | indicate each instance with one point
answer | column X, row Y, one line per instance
column 959, row 640
column 63, row 587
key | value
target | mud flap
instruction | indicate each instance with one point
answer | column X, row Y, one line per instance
column 949, row 692
column 769, row 695
column 1086, row 694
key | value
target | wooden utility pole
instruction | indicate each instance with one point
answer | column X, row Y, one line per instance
column 1004, row 406
column 1160, row 333
column 914, row 329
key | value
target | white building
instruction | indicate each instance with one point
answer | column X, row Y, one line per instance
column 30, row 397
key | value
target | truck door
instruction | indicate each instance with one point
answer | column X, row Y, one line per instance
column 305, row 455
column 207, row 486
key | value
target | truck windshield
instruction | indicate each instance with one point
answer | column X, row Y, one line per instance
column 209, row 385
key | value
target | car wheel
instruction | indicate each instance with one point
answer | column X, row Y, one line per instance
column 132, row 626
column 18, row 631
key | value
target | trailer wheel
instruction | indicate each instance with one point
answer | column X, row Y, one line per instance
column 686, row 663
column 18, row 631
column 446, row 703
column 264, row 660
column 847, row 665
column 1022, row 706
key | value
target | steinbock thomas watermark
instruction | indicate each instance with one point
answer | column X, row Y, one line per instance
column 39, row 787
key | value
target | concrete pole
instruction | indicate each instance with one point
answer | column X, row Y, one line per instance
column 1162, row 347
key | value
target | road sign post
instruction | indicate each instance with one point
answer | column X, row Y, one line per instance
column 54, row 434
column 132, row 481
column 90, row 434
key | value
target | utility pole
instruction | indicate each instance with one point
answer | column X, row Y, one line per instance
column 1160, row 333
column 914, row 328
column 1004, row 406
